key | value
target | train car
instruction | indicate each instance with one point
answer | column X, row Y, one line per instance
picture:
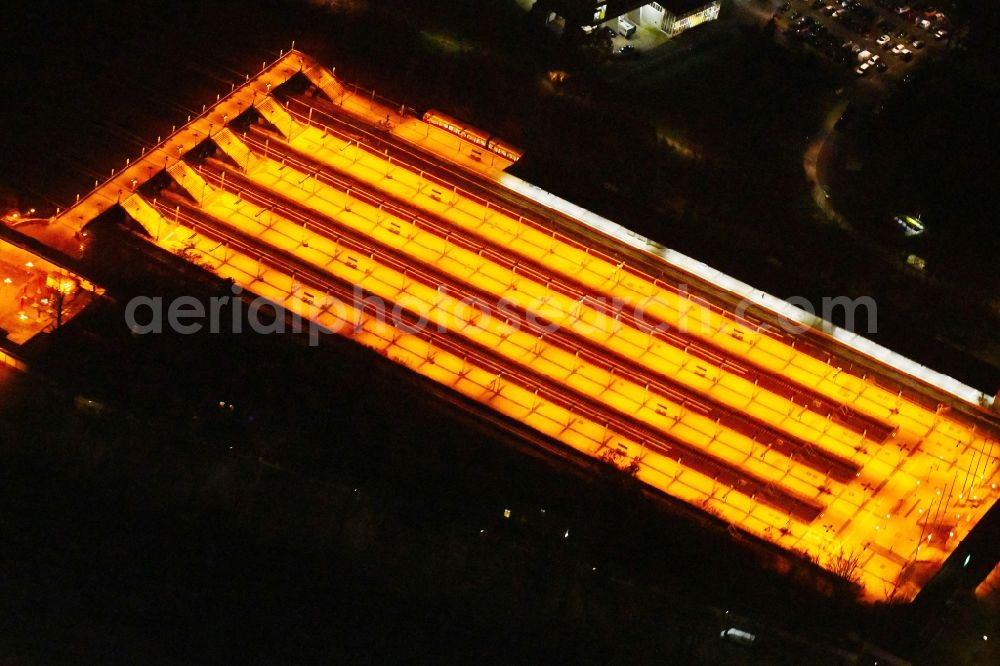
column 504, row 149
column 473, row 135
column 444, row 121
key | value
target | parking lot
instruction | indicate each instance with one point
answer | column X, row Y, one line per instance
column 626, row 45
column 879, row 39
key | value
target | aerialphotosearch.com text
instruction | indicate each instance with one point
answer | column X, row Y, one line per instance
column 451, row 310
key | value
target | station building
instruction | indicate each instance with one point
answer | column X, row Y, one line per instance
column 37, row 295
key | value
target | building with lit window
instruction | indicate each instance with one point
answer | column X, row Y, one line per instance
column 624, row 16
column 675, row 16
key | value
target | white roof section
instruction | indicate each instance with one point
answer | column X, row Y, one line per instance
column 725, row 282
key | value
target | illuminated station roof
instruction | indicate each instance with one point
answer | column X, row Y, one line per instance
column 822, row 443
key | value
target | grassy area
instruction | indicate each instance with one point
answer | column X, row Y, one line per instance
column 741, row 98
column 931, row 151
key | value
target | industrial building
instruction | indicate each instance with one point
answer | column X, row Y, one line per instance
column 670, row 17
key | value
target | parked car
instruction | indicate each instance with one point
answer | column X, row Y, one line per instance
column 883, row 40
column 862, row 69
column 628, row 51
column 917, row 44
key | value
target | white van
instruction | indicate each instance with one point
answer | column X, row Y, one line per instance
column 625, row 27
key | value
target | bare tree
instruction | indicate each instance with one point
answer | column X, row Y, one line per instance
column 846, row 565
